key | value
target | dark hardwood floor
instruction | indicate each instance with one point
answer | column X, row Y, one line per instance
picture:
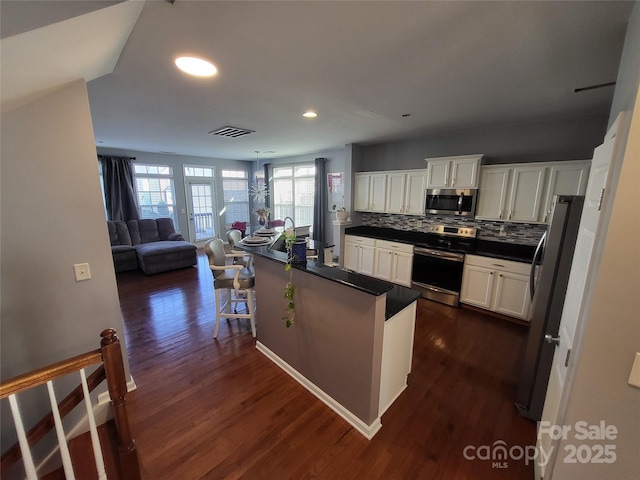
column 219, row 409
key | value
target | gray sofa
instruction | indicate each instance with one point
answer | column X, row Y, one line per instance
column 152, row 245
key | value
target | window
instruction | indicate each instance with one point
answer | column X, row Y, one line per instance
column 235, row 186
column 293, row 193
column 156, row 195
column 202, row 172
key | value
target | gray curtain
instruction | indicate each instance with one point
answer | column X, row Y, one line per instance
column 267, row 201
column 119, row 192
column 320, row 200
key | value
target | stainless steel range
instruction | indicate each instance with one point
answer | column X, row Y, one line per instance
column 438, row 262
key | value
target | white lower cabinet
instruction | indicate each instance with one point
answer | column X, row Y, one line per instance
column 397, row 354
column 501, row 286
column 393, row 262
column 390, row 261
column 359, row 254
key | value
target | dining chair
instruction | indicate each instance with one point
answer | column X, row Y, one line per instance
column 242, row 226
column 276, row 223
column 234, row 279
column 234, row 237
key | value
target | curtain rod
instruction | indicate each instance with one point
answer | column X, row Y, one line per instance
column 130, row 158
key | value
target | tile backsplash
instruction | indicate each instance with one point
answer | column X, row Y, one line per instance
column 521, row 233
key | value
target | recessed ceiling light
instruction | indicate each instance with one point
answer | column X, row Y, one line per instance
column 310, row 114
column 196, row 66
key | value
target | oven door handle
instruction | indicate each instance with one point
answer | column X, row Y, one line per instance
column 455, row 257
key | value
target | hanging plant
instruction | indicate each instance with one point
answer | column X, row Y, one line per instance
column 290, row 288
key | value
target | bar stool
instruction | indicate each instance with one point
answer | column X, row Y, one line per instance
column 227, row 277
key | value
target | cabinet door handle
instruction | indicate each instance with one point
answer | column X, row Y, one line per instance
column 500, row 215
column 510, row 214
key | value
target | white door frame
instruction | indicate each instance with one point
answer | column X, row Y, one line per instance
column 557, row 398
column 188, row 183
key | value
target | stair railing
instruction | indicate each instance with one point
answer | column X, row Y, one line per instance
column 111, row 369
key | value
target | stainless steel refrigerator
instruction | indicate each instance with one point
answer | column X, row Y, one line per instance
column 553, row 256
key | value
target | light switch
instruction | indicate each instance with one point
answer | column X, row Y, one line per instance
column 82, row 271
column 634, row 378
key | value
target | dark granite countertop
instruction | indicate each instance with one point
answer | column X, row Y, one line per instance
column 487, row 248
column 505, row 251
column 398, row 297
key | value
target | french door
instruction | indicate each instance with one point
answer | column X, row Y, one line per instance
column 201, row 211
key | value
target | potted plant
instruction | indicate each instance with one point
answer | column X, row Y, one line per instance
column 289, row 288
column 263, row 214
column 342, row 214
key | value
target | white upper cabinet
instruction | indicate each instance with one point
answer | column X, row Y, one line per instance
column 406, row 191
column 568, row 178
column 370, row 192
column 453, row 172
column 492, row 196
column 523, row 192
column 415, row 192
column 378, row 192
column 511, row 192
column 396, row 183
column 401, row 191
column 361, row 191
column 527, row 189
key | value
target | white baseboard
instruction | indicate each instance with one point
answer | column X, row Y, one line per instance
column 367, row 430
column 105, row 398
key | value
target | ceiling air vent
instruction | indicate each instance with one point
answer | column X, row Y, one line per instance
column 231, row 132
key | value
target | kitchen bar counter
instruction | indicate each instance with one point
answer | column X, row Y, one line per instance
column 487, row 248
column 397, row 298
column 351, row 343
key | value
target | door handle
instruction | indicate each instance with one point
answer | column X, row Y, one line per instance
column 552, row 340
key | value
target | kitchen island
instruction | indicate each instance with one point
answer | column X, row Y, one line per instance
column 352, row 341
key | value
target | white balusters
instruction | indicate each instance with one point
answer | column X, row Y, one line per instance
column 95, row 440
column 29, row 468
column 62, row 441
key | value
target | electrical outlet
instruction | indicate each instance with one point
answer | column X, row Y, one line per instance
column 419, row 223
column 82, row 271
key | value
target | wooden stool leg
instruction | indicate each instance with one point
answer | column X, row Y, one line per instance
column 251, row 311
column 218, row 307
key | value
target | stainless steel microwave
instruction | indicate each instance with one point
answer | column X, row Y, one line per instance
column 451, row 202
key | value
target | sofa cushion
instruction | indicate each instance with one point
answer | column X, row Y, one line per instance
column 155, row 257
column 143, row 231
column 166, row 229
column 163, row 247
column 122, row 249
column 124, row 258
column 118, row 233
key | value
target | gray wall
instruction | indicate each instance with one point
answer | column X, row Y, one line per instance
column 52, row 218
column 611, row 337
column 626, row 91
column 336, row 342
column 549, row 140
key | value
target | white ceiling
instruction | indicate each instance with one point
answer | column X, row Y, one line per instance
column 360, row 65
